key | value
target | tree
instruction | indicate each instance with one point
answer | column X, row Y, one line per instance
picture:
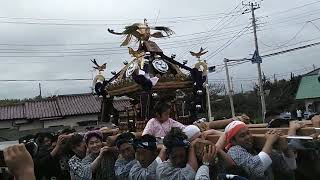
column 216, row 88
column 7, row 102
column 281, row 98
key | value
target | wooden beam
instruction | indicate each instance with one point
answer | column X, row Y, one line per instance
column 220, row 124
column 263, row 125
column 303, row 131
column 259, row 139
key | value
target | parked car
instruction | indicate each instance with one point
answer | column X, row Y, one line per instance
column 286, row 115
column 308, row 115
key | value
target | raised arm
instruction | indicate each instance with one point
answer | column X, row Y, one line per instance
column 162, row 154
column 206, row 133
column 96, row 163
column 271, row 137
column 208, row 157
column 220, row 124
column 192, row 159
column 19, row 162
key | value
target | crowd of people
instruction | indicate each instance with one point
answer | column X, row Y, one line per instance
column 166, row 150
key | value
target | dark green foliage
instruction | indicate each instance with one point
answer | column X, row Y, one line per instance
column 281, row 97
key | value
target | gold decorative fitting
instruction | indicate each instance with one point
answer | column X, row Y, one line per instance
column 202, row 66
column 199, row 54
column 142, row 32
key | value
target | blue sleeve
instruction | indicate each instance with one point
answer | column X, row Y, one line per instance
column 122, row 169
column 203, row 173
column 80, row 169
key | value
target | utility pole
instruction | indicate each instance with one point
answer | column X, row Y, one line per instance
column 40, row 90
column 253, row 7
column 241, row 89
column 208, row 94
column 231, row 79
column 229, row 87
column 208, row 99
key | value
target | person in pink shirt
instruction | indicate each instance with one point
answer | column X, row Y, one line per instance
column 162, row 123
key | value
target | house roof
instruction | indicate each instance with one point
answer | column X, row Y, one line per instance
column 41, row 109
column 121, row 104
column 78, row 104
column 309, row 87
column 59, row 106
column 314, row 72
column 12, row 112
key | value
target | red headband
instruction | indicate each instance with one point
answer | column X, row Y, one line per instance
column 232, row 133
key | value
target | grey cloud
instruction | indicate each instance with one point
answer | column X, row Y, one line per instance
column 80, row 66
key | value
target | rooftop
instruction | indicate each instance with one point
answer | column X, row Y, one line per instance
column 58, row 106
column 309, row 87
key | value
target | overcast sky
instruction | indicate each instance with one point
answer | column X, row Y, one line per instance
column 55, row 39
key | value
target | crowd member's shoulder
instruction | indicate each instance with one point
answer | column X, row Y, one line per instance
column 148, row 129
column 74, row 162
column 73, row 158
column 152, row 120
column 176, row 123
column 120, row 160
column 173, row 120
column 236, row 150
column 163, row 165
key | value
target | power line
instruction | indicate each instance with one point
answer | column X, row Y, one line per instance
column 111, row 49
column 228, row 43
column 270, row 76
column 294, row 8
column 290, row 50
column 112, row 52
column 296, row 17
column 289, row 40
column 104, row 49
column 36, row 80
column 290, row 45
column 213, row 29
column 223, row 25
column 129, row 20
column 87, row 79
column 104, row 43
column 14, row 21
column 317, row 27
column 62, row 55
column 280, row 22
column 246, row 60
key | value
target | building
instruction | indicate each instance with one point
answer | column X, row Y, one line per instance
column 309, row 90
column 73, row 111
